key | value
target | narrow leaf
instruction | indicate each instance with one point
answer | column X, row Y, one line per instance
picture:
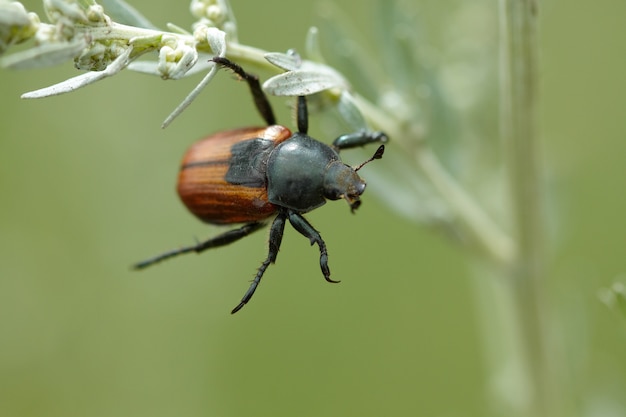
column 124, row 13
column 191, row 96
column 312, row 45
column 151, row 67
column 82, row 80
column 350, row 112
column 284, row 61
column 310, row 79
column 45, row 55
column 217, row 41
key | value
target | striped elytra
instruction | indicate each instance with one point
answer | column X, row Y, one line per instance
column 205, row 182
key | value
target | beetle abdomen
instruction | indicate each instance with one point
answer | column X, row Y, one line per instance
column 221, row 182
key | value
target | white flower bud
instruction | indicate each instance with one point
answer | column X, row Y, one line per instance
column 176, row 60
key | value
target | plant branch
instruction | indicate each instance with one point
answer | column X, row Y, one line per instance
column 480, row 230
column 518, row 88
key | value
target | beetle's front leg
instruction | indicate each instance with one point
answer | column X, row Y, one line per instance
column 302, row 115
column 356, row 139
column 260, row 99
column 304, row 228
column 276, row 237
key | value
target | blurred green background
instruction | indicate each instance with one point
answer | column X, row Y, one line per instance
column 87, row 188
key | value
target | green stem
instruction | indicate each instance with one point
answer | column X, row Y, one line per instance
column 529, row 312
column 482, row 232
column 245, row 54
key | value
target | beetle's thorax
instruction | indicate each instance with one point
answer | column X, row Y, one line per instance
column 296, row 171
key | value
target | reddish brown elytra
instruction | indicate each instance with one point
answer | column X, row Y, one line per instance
column 202, row 182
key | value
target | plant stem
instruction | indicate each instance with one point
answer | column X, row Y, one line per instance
column 480, row 230
column 482, row 233
column 245, row 54
column 526, row 275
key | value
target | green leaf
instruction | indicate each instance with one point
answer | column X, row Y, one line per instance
column 151, row 67
column 310, row 79
column 614, row 297
column 217, row 41
column 82, row 80
column 350, row 112
column 312, row 45
column 284, row 61
column 124, row 13
column 398, row 35
column 343, row 47
column 45, row 55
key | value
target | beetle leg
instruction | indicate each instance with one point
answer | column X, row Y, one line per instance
column 260, row 99
column 361, row 138
column 303, row 115
column 276, row 237
column 307, row 230
column 220, row 240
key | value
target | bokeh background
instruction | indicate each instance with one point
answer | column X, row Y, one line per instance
column 87, row 187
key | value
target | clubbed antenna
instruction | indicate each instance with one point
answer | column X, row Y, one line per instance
column 377, row 155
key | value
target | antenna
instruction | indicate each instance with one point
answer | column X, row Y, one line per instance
column 377, row 155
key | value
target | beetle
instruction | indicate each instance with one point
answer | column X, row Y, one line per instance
column 249, row 174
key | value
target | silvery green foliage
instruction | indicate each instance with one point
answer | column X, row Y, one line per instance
column 103, row 43
column 103, row 47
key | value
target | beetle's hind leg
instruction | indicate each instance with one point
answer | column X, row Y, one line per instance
column 260, row 99
column 276, row 237
column 220, row 240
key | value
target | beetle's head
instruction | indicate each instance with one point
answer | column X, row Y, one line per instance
column 342, row 181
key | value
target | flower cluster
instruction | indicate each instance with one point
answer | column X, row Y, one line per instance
column 16, row 24
column 100, row 45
